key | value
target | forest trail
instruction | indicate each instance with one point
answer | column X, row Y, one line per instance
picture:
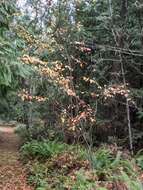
column 12, row 173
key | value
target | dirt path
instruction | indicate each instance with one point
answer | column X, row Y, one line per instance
column 12, row 174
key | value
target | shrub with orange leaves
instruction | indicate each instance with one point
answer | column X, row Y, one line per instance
column 53, row 73
column 113, row 90
column 25, row 96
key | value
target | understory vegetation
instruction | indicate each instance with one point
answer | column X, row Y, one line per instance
column 58, row 166
column 71, row 76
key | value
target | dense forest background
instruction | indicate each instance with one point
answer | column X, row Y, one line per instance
column 73, row 70
column 75, row 65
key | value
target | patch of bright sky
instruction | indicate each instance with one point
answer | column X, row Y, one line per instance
column 24, row 6
column 22, row 3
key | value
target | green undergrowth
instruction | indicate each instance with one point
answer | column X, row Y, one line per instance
column 41, row 150
column 54, row 165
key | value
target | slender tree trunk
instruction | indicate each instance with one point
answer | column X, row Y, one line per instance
column 124, row 10
column 119, row 39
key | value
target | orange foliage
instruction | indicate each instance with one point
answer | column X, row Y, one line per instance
column 26, row 96
column 54, row 74
column 113, row 90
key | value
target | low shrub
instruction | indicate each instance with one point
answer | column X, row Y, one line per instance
column 23, row 133
column 38, row 179
column 35, row 132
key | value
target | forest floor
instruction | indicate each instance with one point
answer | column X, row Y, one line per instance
column 12, row 172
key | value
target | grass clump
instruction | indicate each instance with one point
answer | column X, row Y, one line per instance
column 41, row 149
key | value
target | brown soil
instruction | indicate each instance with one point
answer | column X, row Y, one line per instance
column 12, row 172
